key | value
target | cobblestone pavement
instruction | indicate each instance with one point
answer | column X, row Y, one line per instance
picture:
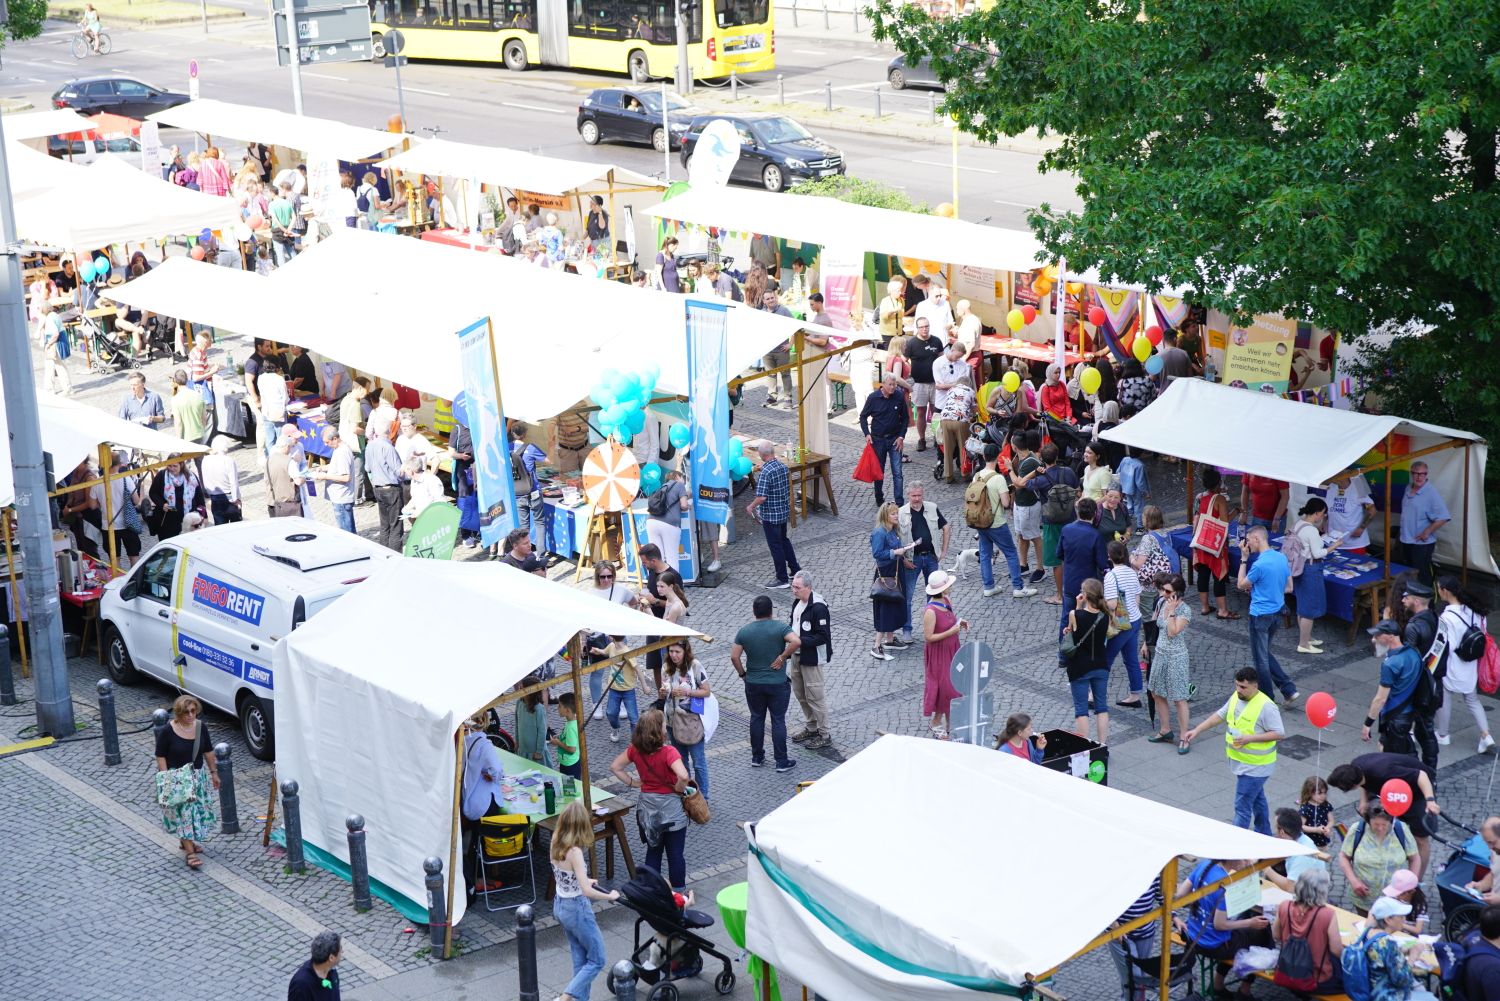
column 242, row 925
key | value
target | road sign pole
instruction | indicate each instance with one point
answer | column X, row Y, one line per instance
column 401, row 96
column 203, row 6
column 294, row 51
column 970, row 673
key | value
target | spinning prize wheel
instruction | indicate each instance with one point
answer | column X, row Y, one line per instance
column 611, row 478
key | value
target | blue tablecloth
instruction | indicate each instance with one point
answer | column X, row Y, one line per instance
column 312, row 428
column 1341, row 591
column 558, row 529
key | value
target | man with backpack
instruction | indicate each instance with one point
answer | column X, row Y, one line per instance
column 1420, row 634
column 1056, row 488
column 1370, row 772
column 1393, row 706
column 985, row 503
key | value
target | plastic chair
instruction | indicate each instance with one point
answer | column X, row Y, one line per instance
column 1142, row 975
column 504, row 839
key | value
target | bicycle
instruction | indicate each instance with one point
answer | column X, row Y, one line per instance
column 82, row 48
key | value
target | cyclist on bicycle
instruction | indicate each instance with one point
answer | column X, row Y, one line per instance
column 90, row 25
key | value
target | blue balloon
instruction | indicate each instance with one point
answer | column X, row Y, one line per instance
column 651, row 471
column 629, row 404
column 86, row 271
column 680, row 435
column 102, row 265
column 629, row 385
column 623, row 436
column 736, row 447
column 636, row 422
column 649, row 487
column 601, row 395
column 1154, row 365
column 651, row 375
column 612, row 414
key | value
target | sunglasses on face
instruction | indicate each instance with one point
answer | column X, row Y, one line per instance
column 606, row 576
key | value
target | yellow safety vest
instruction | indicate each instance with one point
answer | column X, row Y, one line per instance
column 442, row 416
column 1243, row 722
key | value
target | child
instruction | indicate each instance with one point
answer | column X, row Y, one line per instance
column 567, row 741
column 1016, row 739
column 1317, row 815
column 621, row 689
column 575, row 835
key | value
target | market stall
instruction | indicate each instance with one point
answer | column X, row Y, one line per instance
column 378, row 735
column 1304, row 444
column 826, row 906
column 248, row 123
column 34, row 128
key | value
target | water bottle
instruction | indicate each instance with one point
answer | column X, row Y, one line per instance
column 549, row 797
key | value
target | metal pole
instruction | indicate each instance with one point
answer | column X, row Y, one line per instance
column 825, row 16
column 359, row 862
column 7, row 680
column 203, row 6
column 931, row 108
column 734, row 85
column 794, row 15
column 624, row 980
column 954, row 123
column 684, row 69
column 781, row 85
column 160, row 720
column 292, row 816
column 54, row 703
column 526, row 952
column 229, row 807
column 437, row 904
column 666, row 154
column 877, row 102
column 400, row 94
column 1464, row 552
column 856, row 19
column 1059, row 350
column 294, row 52
column 107, row 720
column 828, row 94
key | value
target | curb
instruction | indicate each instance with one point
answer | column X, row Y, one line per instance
column 11, row 105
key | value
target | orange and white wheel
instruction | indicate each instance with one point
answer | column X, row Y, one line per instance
column 611, row 478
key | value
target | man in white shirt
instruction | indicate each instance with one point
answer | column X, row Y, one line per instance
column 1350, row 511
column 936, row 311
column 947, row 372
column 382, row 417
column 410, row 441
column 270, row 388
column 338, row 477
column 221, row 482
column 966, row 331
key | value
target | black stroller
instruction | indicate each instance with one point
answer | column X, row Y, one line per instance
column 109, row 352
column 674, row 951
column 1468, row 863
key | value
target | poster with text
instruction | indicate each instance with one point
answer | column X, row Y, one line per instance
column 842, row 272
column 974, row 284
column 1259, row 356
column 486, row 423
column 708, row 403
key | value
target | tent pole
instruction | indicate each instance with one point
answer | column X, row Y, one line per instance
column 106, row 459
column 575, row 656
column 1168, row 888
column 799, row 346
column 1464, row 553
column 1386, row 450
column 766, row 973
column 458, row 785
column 613, row 219
column 1187, row 473
column 10, row 561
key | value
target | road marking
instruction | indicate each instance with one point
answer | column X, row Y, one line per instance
column 808, row 52
column 871, row 85
column 419, row 90
column 874, row 59
column 935, row 163
column 297, row 918
column 326, row 76
column 59, row 62
column 35, row 79
column 215, row 59
column 536, row 107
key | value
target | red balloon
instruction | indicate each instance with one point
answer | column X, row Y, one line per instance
column 1321, row 709
column 1395, row 796
column 1153, row 334
column 197, row 253
column 1097, row 316
column 256, row 221
column 1028, row 313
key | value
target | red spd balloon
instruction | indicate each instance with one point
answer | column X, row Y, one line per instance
column 1321, row 709
column 1153, row 334
column 1028, row 313
column 1097, row 316
column 1395, row 796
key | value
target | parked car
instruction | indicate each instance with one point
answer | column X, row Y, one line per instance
column 86, row 151
column 120, row 95
column 622, row 115
column 774, row 150
column 902, row 75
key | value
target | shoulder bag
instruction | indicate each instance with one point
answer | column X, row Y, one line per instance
column 1119, row 615
column 686, row 726
column 175, row 787
column 695, row 806
column 1068, row 646
column 885, row 588
column 1211, row 534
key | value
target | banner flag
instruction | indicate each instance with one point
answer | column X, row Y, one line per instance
column 708, row 403
column 486, row 423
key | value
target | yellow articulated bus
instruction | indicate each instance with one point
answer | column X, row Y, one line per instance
column 637, row 37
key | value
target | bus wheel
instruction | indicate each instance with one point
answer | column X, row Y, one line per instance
column 515, row 56
column 377, row 47
column 639, row 69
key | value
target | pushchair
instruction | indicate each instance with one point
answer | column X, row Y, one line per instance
column 1070, row 441
column 1470, row 861
column 108, row 352
column 674, row 951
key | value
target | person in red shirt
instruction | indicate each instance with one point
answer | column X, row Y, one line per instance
column 1264, row 499
column 1055, row 395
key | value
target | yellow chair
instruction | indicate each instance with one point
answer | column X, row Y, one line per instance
column 504, row 839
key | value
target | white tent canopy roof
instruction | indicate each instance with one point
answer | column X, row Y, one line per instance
column 1038, row 898
column 41, row 124
column 511, row 168
column 111, row 201
column 374, row 735
column 203, row 294
column 248, row 123
column 832, row 223
column 33, row 172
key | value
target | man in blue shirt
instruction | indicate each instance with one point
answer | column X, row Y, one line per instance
column 772, row 507
column 1082, row 551
column 884, row 419
column 141, row 405
column 1422, row 514
column 384, row 467
column 1266, row 577
column 1393, row 703
column 1218, row 935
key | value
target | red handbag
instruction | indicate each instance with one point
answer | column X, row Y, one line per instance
column 869, row 468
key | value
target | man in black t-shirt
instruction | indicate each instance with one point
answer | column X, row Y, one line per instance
column 518, row 553
column 1027, row 517
column 922, row 350
column 318, row 979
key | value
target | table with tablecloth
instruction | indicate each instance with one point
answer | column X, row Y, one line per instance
column 734, row 905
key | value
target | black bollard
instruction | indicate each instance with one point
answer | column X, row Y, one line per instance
column 229, row 809
column 292, row 817
column 359, row 862
column 623, row 977
column 108, row 722
column 437, row 903
column 526, row 952
column 7, row 680
column 160, row 720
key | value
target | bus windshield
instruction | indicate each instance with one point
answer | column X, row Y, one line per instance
column 737, row 13
column 780, row 130
column 652, row 100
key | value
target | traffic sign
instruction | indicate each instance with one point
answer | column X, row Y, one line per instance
column 193, row 79
column 392, row 62
column 970, row 670
column 326, row 34
column 393, row 41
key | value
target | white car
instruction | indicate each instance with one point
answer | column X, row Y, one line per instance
column 203, row 611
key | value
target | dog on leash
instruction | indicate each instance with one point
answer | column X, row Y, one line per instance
column 966, row 558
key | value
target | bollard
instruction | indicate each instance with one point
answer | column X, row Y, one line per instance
column 160, row 720
column 856, row 19
column 229, row 809
column 826, row 26
column 7, row 681
column 526, row 952
column 107, row 721
column 932, row 107
column 437, row 903
column 877, row 102
column 794, row 14
column 828, row 94
column 780, row 89
column 292, row 817
column 359, row 862
column 623, row 975
column 734, row 85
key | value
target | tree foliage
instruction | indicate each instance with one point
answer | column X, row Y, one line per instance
column 1332, row 161
column 861, row 192
column 26, row 17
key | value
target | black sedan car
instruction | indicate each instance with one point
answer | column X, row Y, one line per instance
column 774, row 150
column 119, row 95
column 621, row 115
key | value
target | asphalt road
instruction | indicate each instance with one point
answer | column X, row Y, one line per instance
column 536, row 110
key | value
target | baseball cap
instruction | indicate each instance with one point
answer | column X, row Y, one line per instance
column 1388, row 907
column 1402, row 880
column 1386, row 627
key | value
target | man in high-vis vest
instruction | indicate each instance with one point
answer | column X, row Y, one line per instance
column 1254, row 728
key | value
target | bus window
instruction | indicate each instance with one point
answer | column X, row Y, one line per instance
column 516, row 14
column 735, row 13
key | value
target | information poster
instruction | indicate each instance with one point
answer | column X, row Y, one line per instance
column 1259, row 356
column 842, row 272
column 974, row 284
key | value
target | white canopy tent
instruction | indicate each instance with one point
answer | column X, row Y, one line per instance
column 831, row 910
column 1300, row 443
column 829, row 222
column 111, row 201
column 513, row 168
column 376, row 735
column 279, row 128
column 203, row 294
column 43, row 124
column 33, row 172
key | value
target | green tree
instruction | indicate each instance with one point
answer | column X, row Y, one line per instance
column 1332, row 161
column 861, row 192
column 26, row 17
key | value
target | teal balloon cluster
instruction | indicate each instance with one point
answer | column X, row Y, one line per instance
column 739, row 462
column 622, row 398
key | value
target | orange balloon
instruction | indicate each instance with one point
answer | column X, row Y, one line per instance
column 1075, row 288
column 946, row 210
column 910, row 265
column 1050, row 272
column 1042, row 286
column 394, row 124
column 933, row 267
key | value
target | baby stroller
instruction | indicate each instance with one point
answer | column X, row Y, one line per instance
column 674, row 951
column 110, row 352
column 1469, row 862
column 1070, row 441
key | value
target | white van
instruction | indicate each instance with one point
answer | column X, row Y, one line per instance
column 203, row 611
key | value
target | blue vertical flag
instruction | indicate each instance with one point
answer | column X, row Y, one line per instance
column 492, row 479
column 708, row 404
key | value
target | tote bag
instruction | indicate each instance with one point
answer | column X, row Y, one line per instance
column 1211, row 535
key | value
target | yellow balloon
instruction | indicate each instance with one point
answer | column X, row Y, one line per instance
column 1011, row 382
column 933, row 267
column 1015, row 321
column 946, row 210
column 1141, row 348
column 1089, row 381
column 1075, row 288
column 911, row 266
column 1042, row 286
column 1050, row 272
